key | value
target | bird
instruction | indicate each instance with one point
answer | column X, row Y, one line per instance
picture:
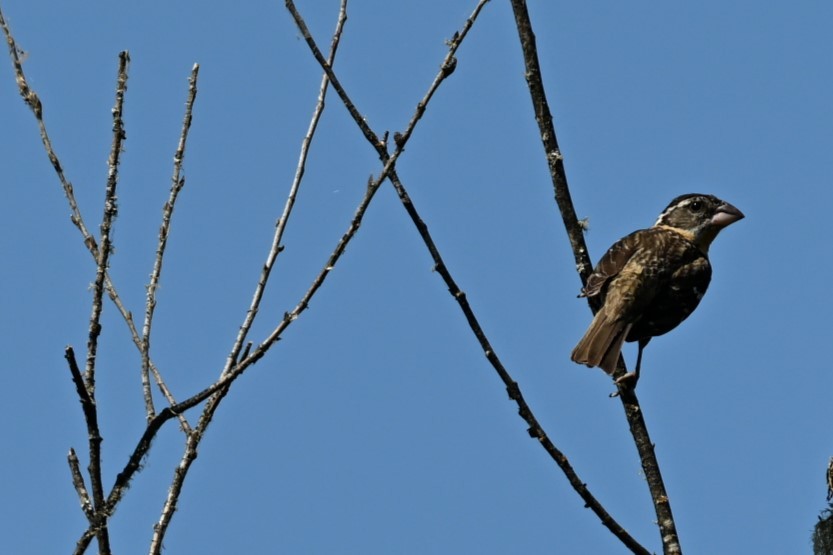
column 648, row 282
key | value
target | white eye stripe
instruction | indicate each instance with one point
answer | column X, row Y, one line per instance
column 661, row 217
column 686, row 202
column 682, row 204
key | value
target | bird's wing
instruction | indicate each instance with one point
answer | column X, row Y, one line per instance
column 613, row 262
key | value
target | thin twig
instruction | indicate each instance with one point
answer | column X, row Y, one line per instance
column 80, row 487
column 290, row 5
column 109, row 215
column 633, row 412
column 33, row 101
column 177, row 183
column 276, row 248
column 172, row 499
column 110, row 212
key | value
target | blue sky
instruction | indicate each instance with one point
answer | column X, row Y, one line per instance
column 376, row 425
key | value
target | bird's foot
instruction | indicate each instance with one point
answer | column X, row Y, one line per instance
column 625, row 381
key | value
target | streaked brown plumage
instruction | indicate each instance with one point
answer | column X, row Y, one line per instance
column 651, row 280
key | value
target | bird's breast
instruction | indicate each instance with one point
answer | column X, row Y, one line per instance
column 675, row 298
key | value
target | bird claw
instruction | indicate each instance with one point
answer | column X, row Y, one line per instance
column 623, row 382
column 627, row 380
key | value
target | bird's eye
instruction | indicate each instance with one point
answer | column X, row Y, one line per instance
column 696, row 206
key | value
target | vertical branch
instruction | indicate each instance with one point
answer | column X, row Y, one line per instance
column 96, row 515
column 169, row 508
column 555, row 160
column 177, row 183
column 633, row 412
column 110, row 211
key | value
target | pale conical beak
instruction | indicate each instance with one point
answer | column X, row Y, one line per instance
column 726, row 215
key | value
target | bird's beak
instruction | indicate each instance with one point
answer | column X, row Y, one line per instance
column 726, row 215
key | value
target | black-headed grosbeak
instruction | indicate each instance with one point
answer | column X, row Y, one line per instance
column 651, row 280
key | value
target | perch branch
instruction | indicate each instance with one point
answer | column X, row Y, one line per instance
column 633, row 412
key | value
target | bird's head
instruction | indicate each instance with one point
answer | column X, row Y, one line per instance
column 698, row 217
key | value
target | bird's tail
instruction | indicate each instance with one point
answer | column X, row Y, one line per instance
column 602, row 342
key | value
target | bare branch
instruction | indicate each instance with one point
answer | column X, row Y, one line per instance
column 290, row 201
column 134, row 463
column 32, row 100
column 34, row 103
column 555, row 160
column 84, row 542
column 87, row 403
column 110, row 211
column 169, row 508
column 94, row 511
column 302, row 26
column 373, row 184
column 98, row 525
column 78, row 482
column 633, row 412
column 535, row 429
column 177, row 183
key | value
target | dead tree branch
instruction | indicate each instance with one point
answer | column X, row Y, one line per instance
column 33, row 101
column 92, row 510
column 177, row 183
column 633, row 412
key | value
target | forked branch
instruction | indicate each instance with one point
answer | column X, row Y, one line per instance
column 34, row 103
